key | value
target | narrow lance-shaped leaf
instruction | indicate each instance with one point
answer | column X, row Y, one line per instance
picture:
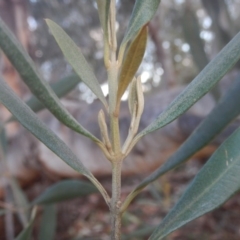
column 3, row 142
column 32, row 123
column 132, row 61
column 142, row 13
column 103, row 11
column 65, row 190
column 27, row 232
column 218, row 180
column 21, row 201
column 206, row 79
column 60, row 88
column 40, row 88
column 224, row 112
column 76, row 59
column 48, row 223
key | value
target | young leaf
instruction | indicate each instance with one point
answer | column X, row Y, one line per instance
column 103, row 11
column 132, row 61
column 224, row 112
column 74, row 56
column 31, row 122
column 40, row 88
column 65, row 190
column 142, row 13
column 205, row 80
column 48, row 223
column 218, row 180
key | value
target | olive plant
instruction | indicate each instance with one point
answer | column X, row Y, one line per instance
column 216, row 182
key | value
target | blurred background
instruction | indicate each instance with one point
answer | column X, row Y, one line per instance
column 183, row 37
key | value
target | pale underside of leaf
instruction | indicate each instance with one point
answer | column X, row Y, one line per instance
column 206, row 79
column 40, row 88
column 218, row 180
column 76, row 59
column 132, row 61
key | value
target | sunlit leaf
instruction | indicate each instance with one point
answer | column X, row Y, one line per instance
column 32, row 123
column 48, row 223
column 132, row 61
column 65, row 190
column 74, row 56
column 206, row 79
column 142, row 13
column 40, row 88
column 218, row 180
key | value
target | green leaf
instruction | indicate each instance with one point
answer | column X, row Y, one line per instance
column 218, row 180
column 103, row 11
column 74, row 56
column 224, row 112
column 3, row 142
column 65, row 190
column 40, row 88
column 61, row 88
column 142, row 13
column 132, row 61
column 27, row 232
column 48, row 223
column 205, row 80
column 21, row 201
column 32, row 123
column 2, row 212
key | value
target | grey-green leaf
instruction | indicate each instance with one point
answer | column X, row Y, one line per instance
column 205, row 80
column 142, row 13
column 224, row 112
column 217, row 181
column 26, row 233
column 76, row 59
column 40, row 88
column 21, row 201
column 65, row 190
column 48, row 223
column 103, row 12
column 32, row 123
column 61, row 88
